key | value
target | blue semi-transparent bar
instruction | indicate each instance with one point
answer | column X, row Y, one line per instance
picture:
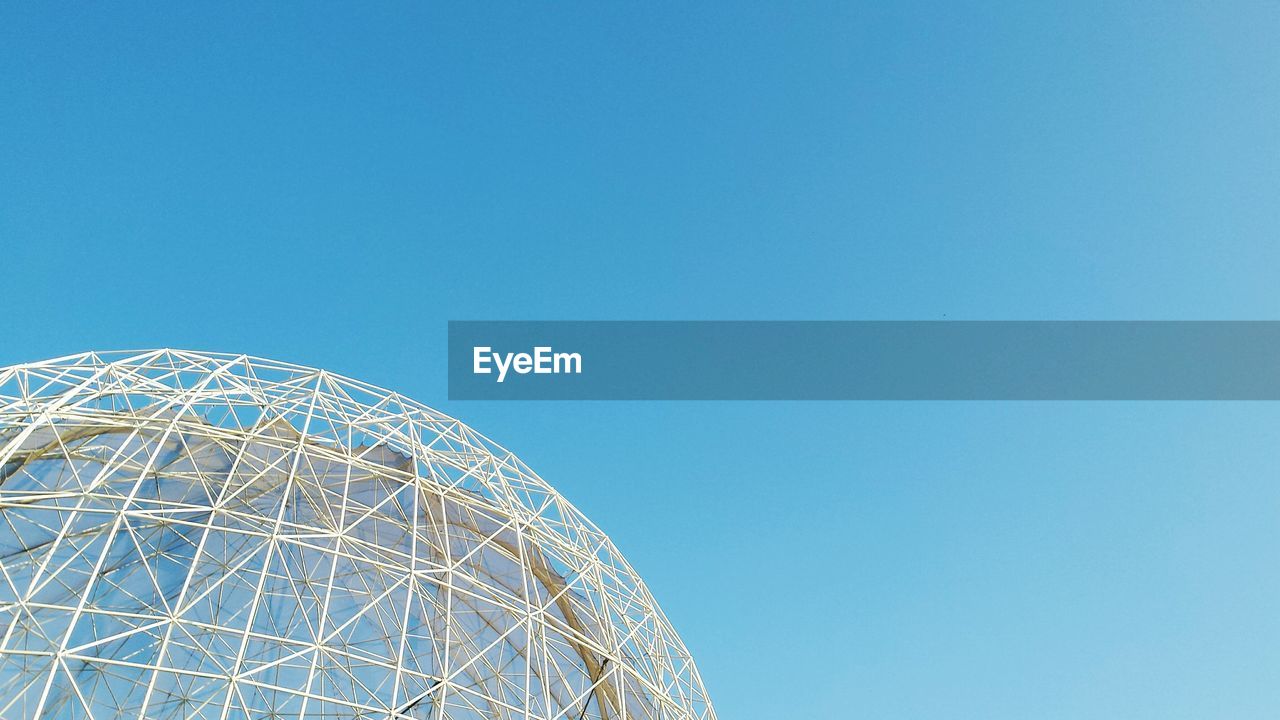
column 867, row 360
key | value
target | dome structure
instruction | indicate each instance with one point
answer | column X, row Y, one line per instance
column 198, row 535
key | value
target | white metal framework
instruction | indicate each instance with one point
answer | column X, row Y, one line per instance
column 198, row 535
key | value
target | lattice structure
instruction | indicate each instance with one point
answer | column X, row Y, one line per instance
column 193, row 535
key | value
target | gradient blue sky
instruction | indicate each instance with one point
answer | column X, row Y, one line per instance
column 329, row 184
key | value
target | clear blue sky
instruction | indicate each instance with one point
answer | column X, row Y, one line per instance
column 329, row 185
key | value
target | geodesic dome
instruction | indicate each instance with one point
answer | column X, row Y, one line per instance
column 193, row 535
